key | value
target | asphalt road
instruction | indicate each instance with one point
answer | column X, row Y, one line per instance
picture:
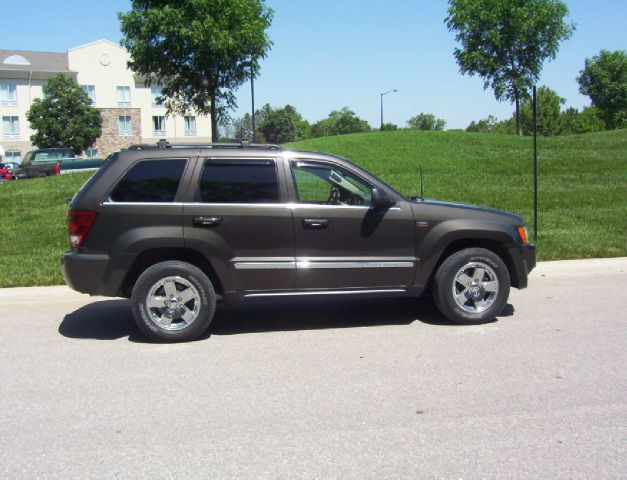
column 340, row 388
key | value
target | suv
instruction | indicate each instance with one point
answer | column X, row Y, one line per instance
column 175, row 228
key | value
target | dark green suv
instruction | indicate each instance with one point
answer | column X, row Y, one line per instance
column 176, row 228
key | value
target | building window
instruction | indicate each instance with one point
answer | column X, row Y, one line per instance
column 8, row 94
column 91, row 152
column 155, row 93
column 15, row 157
column 11, row 128
column 90, row 90
column 125, row 126
column 124, row 96
column 190, row 126
column 158, row 126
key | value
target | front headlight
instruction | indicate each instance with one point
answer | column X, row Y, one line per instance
column 524, row 235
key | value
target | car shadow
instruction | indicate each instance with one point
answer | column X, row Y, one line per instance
column 113, row 319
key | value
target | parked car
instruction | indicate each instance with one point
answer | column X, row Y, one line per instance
column 175, row 229
column 6, row 170
column 52, row 161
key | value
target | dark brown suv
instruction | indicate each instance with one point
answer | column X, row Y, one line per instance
column 176, row 228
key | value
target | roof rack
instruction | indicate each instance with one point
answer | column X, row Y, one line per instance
column 162, row 144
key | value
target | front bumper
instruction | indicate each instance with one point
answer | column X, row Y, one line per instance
column 523, row 261
column 85, row 273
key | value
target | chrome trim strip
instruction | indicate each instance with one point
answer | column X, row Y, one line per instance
column 291, row 206
column 264, row 265
column 309, row 264
column 326, row 292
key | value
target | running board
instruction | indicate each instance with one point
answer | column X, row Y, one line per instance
column 325, row 292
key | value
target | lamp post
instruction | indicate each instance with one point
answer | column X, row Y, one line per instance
column 385, row 93
column 252, row 96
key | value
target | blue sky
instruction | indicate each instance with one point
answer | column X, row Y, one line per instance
column 333, row 53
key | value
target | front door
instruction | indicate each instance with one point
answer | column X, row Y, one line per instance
column 341, row 241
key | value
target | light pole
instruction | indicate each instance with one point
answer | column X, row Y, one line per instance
column 385, row 93
column 252, row 96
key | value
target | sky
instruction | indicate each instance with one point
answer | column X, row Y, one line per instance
column 328, row 54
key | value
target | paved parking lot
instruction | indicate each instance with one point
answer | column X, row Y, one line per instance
column 325, row 388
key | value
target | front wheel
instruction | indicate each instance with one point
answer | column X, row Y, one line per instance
column 173, row 301
column 471, row 286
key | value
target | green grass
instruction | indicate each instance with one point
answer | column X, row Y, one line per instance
column 583, row 185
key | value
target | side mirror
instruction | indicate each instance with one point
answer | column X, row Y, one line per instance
column 379, row 199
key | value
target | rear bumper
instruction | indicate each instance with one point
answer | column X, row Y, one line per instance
column 523, row 261
column 85, row 273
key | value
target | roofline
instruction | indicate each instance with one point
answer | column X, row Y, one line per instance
column 30, row 51
column 95, row 42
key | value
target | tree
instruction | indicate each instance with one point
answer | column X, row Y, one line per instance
column 426, row 121
column 586, row 121
column 505, row 42
column 389, row 127
column 549, row 115
column 604, row 80
column 339, row 122
column 64, row 117
column 198, row 51
column 279, row 126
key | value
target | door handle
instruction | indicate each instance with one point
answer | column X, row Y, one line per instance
column 316, row 223
column 207, row 221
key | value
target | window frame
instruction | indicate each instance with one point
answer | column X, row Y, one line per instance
column 123, row 103
column 11, row 102
column 188, row 132
column 153, row 96
column 294, row 161
column 196, row 191
column 125, row 133
column 15, row 134
column 158, row 132
column 93, row 90
column 180, row 189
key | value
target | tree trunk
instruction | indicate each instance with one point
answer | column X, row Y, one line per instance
column 214, row 119
column 518, row 125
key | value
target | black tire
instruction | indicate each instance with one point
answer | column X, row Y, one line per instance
column 493, row 298
column 186, row 276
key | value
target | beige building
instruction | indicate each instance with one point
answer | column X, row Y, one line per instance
column 129, row 109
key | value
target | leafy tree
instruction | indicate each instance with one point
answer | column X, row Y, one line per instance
column 486, row 125
column 339, row 122
column 199, row 51
column 426, row 121
column 64, row 117
column 389, row 127
column 505, row 42
column 604, row 80
column 587, row 121
column 279, row 126
column 549, row 117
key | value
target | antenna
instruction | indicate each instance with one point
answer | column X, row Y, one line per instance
column 421, row 192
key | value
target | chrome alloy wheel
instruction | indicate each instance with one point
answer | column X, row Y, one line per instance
column 173, row 303
column 475, row 287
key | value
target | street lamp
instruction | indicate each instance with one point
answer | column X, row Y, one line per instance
column 385, row 93
column 252, row 96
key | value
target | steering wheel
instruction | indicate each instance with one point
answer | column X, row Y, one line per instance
column 334, row 196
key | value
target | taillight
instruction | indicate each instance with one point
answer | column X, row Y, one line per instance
column 79, row 224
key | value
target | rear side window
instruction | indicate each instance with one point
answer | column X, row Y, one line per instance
column 150, row 181
column 251, row 181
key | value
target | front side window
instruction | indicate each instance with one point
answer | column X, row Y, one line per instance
column 11, row 128
column 158, row 126
column 239, row 181
column 326, row 184
column 190, row 126
column 8, row 94
column 125, row 126
column 90, row 90
column 150, row 181
column 124, row 96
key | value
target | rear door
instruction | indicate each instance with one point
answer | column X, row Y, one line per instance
column 341, row 240
column 238, row 219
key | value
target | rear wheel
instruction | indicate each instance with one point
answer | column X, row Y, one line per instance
column 471, row 286
column 173, row 301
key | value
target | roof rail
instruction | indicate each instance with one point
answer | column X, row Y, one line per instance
column 162, row 144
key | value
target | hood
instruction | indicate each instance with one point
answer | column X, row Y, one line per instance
column 466, row 206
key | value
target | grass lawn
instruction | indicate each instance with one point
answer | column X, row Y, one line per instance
column 583, row 191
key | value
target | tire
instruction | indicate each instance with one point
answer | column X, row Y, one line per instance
column 177, row 320
column 471, row 286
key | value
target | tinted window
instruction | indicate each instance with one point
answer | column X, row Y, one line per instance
column 239, row 182
column 150, row 181
column 324, row 184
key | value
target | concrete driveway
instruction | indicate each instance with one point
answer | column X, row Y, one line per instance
column 327, row 388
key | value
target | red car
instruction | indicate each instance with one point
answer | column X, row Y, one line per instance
column 5, row 170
